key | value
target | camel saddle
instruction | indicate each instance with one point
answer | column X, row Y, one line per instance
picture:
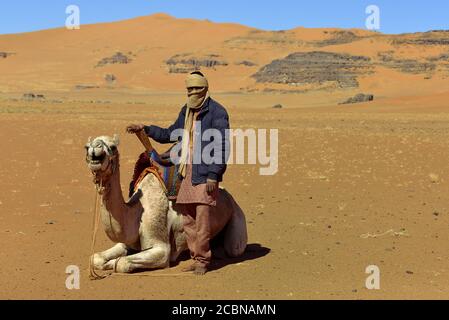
column 162, row 168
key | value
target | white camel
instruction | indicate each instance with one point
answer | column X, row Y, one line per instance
column 148, row 232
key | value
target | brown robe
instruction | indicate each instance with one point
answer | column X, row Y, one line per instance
column 202, row 221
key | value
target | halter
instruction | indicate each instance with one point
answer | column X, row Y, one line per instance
column 112, row 165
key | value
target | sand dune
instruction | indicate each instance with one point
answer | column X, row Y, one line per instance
column 159, row 49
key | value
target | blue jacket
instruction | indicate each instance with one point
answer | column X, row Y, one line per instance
column 212, row 116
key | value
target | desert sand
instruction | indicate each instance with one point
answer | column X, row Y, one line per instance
column 358, row 185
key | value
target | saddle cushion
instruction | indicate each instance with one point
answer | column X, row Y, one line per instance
column 149, row 163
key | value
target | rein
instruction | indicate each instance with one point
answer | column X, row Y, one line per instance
column 99, row 188
column 93, row 275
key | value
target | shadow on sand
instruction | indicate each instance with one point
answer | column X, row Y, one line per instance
column 220, row 259
column 253, row 251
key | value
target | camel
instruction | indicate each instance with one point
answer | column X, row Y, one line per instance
column 147, row 229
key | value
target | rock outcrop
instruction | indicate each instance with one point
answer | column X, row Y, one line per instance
column 441, row 57
column 86, row 87
column 270, row 38
column 33, row 96
column 4, row 55
column 430, row 38
column 246, row 63
column 336, row 37
column 404, row 65
column 110, row 78
column 118, row 58
column 315, row 68
column 359, row 98
column 185, row 63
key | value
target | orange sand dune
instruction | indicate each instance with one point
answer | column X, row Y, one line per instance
column 61, row 59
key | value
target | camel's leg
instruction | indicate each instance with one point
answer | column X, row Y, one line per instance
column 155, row 258
column 236, row 235
column 178, row 238
column 105, row 260
column 179, row 245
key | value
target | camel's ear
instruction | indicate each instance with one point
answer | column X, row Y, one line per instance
column 116, row 140
column 89, row 141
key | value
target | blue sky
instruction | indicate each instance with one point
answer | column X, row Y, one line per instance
column 397, row 16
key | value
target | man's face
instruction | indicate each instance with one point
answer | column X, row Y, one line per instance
column 194, row 90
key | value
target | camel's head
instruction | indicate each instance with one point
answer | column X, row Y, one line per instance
column 100, row 155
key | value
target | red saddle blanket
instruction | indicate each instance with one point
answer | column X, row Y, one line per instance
column 167, row 175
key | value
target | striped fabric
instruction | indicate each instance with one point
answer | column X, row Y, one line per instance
column 169, row 176
column 148, row 164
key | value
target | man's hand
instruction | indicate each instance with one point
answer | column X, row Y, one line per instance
column 211, row 186
column 134, row 128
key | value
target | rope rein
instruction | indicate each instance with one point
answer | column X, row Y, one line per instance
column 99, row 191
column 93, row 275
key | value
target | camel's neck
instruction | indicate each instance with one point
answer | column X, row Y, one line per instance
column 119, row 219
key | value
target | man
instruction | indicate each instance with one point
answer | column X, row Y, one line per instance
column 199, row 188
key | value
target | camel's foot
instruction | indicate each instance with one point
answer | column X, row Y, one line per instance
column 105, row 260
column 121, row 265
column 99, row 261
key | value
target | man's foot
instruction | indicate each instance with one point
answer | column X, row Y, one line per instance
column 190, row 268
column 200, row 270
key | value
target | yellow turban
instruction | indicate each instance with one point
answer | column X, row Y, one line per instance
column 196, row 79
